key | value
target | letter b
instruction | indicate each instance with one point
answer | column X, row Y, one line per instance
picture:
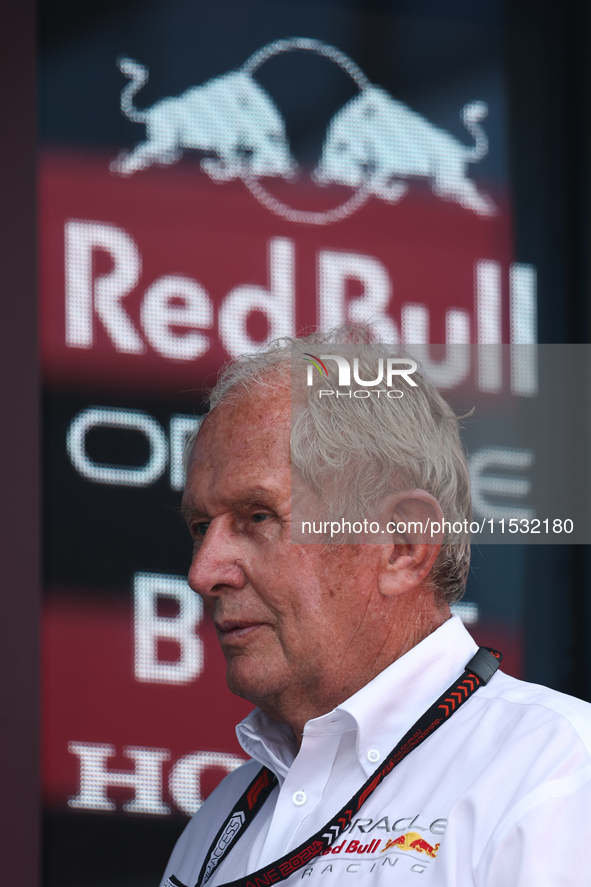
column 149, row 627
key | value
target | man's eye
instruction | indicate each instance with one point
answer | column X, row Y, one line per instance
column 201, row 528
column 260, row 516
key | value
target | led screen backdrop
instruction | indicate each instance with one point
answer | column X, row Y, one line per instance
column 212, row 176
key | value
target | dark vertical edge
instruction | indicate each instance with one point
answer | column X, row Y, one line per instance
column 548, row 67
column 19, row 450
column 579, row 191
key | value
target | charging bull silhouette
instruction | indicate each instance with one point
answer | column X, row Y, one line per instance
column 376, row 142
column 230, row 116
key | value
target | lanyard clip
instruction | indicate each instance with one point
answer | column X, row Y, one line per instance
column 484, row 664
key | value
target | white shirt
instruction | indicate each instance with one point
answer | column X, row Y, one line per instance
column 498, row 796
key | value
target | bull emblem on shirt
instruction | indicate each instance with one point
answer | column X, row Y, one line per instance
column 412, row 841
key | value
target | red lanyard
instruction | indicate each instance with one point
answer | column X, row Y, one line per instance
column 478, row 671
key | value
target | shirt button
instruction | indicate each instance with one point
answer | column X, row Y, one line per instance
column 299, row 798
column 373, row 755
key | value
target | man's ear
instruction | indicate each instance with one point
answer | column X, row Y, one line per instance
column 415, row 529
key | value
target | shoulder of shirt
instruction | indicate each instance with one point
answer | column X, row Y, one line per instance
column 541, row 739
column 535, row 701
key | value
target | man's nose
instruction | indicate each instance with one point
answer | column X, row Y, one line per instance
column 216, row 561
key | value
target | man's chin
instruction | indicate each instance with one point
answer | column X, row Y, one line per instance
column 253, row 681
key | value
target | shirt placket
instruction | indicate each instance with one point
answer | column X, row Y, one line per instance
column 299, row 796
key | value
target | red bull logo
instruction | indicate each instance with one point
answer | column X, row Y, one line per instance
column 373, row 145
column 412, row 841
column 354, row 847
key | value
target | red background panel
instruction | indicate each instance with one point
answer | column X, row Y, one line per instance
column 218, row 234
column 91, row 695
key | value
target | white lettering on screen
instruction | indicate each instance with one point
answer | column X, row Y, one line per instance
column 86, row 295
column 117, row 419
column 277, row 302
column 159, row 315
column 180, row 428
column 523, row 317
column 488, row 310
column 150, row 627
column 176, row 310
column 185, row 777
column 455, row 366
column 505, row 486
column 335, row 269
column 146, row 778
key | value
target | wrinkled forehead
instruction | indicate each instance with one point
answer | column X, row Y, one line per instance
column 243, row 439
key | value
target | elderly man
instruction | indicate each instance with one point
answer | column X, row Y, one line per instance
column 385, row 747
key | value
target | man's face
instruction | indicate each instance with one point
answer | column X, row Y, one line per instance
column 287, row 616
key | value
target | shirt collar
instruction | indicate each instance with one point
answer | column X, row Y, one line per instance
column 381, row 712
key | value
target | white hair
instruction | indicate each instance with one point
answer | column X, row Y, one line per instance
column 370, row 446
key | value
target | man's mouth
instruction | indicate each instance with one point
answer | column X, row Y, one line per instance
column 230, row 631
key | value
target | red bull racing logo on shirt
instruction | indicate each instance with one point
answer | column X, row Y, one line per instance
column 412, row 841
column 408, row 841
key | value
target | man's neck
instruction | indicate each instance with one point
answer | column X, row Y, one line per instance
column 297, row 708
